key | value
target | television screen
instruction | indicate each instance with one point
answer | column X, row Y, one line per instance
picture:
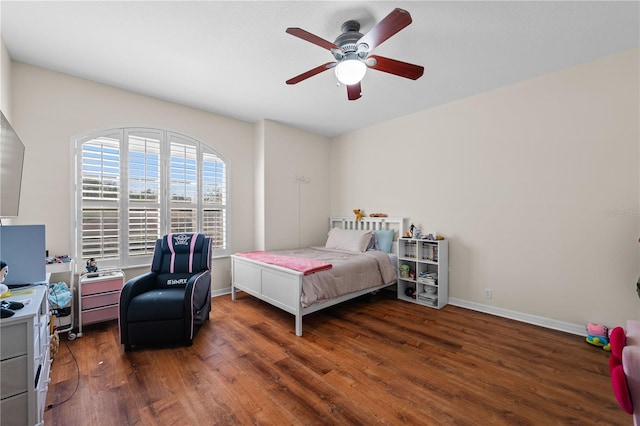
column 11, row 161
column 23, row 249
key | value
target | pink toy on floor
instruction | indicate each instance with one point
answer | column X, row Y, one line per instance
column 597, row 335
column 596, row 329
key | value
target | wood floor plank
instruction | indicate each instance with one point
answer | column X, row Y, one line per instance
column 369, row 361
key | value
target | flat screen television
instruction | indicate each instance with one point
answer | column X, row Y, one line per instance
column 11, row 162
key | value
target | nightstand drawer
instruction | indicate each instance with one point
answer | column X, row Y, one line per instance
column 100, row 300
column 90, row 287
column 99, row 314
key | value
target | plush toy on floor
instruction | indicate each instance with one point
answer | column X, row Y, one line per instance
column 597, row 335
column 359, row 214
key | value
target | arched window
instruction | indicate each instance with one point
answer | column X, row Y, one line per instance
column 134, row 185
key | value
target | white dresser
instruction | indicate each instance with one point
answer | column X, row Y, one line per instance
column 24, row 360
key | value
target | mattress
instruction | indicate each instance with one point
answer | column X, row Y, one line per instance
column 350, row 272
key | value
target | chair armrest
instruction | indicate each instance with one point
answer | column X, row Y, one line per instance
column 138, row 285
column 200, row 285
column 132, row 288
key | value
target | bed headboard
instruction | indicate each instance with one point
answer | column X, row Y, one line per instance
column 371, row 224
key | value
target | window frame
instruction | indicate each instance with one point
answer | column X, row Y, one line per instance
column 125, row 259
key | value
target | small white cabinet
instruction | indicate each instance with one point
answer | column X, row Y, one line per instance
column 423, row 271
column 24, row 359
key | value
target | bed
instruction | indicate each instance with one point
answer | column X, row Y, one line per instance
column 301, row 293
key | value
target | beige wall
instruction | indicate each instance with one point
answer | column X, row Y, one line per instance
column 5, row 81
column 527, row 181
column 49, row 108
column 295, row 188
column 5, row 96
column 259, row 176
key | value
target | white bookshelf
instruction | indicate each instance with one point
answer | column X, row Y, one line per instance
column 423, row 268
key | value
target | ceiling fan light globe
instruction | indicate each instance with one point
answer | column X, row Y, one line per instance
column 350, row 71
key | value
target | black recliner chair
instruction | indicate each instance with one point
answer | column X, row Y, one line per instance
column 171, row 302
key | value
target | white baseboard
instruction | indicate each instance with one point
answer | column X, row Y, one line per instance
column 567, row 327
column 220, row 292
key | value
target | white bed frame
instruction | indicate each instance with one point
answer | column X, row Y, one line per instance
column 282, row 287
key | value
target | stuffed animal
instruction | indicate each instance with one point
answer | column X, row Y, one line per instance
column 404, row 270
column 54, row 344
column 359, row 214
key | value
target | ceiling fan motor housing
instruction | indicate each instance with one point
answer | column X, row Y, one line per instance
column 348, row 41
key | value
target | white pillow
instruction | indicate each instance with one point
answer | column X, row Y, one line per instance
column 348, row 239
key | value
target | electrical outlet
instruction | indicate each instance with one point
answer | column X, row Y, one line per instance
column 488, row 293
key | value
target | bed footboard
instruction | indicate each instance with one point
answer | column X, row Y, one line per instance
column 278, row 286
column 282, row 287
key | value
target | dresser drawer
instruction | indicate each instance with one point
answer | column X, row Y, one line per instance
column 14, row 411
column 14, row 376
column 99, row 314
column 102, row 285
column 100, row 300
column 14, row 340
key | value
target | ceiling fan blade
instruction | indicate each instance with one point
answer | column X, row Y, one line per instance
column 390, row 25
column 354, row 91
column 312, row 38
column 311, row 73
column 393, row 66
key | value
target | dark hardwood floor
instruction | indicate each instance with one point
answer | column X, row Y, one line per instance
column 364, row 362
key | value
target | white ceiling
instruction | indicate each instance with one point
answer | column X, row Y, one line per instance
column 233, row 58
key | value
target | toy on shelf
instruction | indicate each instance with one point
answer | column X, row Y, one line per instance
column 359, row 214
column 404, row 271
column 597, row 335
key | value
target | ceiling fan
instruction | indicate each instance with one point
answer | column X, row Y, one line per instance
column 351, row 50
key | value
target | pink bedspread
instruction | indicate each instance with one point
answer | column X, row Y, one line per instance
column 300, row 264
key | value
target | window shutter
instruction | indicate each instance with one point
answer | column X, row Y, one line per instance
column 183, row 186
column 214, row 196
column 100, row 176
column 144, row 191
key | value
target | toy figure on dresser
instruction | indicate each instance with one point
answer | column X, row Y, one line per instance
column 6, row 308
column 92, row 267
column 4, row 270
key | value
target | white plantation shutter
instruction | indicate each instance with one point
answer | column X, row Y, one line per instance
column 214, row 199
column 143, row 212
column 100, row 189
column 138, row 184
column 183, row 186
